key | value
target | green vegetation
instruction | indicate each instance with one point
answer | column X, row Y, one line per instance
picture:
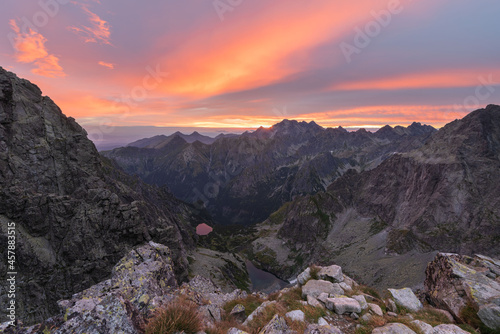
column 431, row 316
column 250, row 303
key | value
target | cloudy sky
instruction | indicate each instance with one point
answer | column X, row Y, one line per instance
column 246, row 63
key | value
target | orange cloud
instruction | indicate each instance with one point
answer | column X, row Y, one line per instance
column 435, row 79
column 108, row 65
column 30, row 48
column 98, row 31
column 255, row 54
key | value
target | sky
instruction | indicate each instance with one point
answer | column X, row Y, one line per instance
column 240, row 64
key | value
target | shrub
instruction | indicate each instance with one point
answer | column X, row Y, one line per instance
column 314, row 271
column 181, row 315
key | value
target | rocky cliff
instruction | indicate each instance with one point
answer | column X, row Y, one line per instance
column 440, row 197
column 75, row 214
column 242, row 179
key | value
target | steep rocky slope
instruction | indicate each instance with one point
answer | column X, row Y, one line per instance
column 75, row 214
column 385, row 224
column 242, row 179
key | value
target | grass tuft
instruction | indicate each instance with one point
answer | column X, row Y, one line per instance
column 180, row 316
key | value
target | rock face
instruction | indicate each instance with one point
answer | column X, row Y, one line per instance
column 140, row 282
column 243, row 179
column 454, row 282
column 75, row 214
column 442, row 196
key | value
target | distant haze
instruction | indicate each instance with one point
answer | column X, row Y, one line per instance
column 108, row 138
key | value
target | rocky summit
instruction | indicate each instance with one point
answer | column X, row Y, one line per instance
column 143, row 296
column 75, row 214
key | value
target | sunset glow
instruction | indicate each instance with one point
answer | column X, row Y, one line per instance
column 186, row 64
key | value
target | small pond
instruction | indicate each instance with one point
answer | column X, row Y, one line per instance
column 203, row 229
column 263, row 280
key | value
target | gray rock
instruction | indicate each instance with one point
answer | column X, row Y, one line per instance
column 332, row 273
column 367, row 317
column 343, row 305
column 238, row 312
column 392, row 314
column 391, row 305
column 277, row 325
column 322, row 322
column 394, row 328
column 448, row 329
column 258, row 311
column 296, row 315
column 304, row 276
column 362, row 301
column 325, row 329
column 314, row 302
column 354, row 316
column 323, row 297
column 346, row 287
column 490, row 315
column 374, row 308
column 315, row 287
column 453, row 281
column 424, row 327
column 406, row 298
column 234, row 330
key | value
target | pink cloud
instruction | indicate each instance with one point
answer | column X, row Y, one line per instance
column 30, row 48
column 99, row 30
column 108, row 65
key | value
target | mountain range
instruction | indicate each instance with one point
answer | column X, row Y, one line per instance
column 241, row 179
column 381, row 204
column 385, row 224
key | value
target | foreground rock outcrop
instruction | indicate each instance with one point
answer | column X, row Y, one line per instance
column 143, row 289
column 461, row 284
column 75, row 214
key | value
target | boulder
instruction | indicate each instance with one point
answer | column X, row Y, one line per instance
column 238, row 312
column 325, row 329
column 448, row 329
column 277, row 325
column 315, row 287
column 375, row 309
column 343, row 305
column 322, row 322
column 304, row 276
column 394, row 328
column 140, row 282
column 332, row 273
column 362, row 301
column 314, row 302
column 406, row 298
column 323, row 297
column 490, row 315
column 296, row 315
column 424, row 327
column 454, row 281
